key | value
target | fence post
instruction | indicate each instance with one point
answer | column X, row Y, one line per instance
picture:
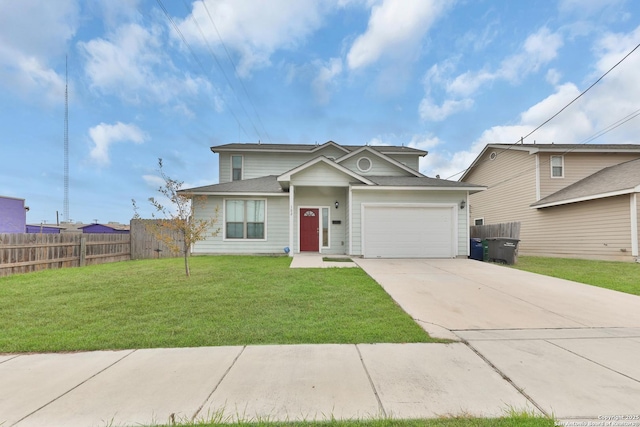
column 83, row 251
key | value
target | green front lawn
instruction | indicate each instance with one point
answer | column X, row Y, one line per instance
column 619, row 276
column 229, row 300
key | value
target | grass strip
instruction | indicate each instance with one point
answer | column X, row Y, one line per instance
column 618, row 276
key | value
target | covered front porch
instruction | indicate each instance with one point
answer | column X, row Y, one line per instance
column 319, row 220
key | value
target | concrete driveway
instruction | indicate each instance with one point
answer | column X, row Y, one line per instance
column 573, row 350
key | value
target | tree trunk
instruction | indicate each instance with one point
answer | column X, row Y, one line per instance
column 186, row 258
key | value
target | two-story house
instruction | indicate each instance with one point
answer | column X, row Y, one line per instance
column 366, row 201
column 573, row 200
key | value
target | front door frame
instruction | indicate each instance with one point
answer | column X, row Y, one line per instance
column 319, row 208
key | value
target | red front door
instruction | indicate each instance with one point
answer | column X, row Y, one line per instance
column 309, row 230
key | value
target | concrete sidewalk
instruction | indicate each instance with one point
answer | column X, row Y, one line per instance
column 298, row 382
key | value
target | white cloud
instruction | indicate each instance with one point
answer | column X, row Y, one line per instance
column 104, row 135
column 324, row 80
column 395, row 27
column 27, row 53
column 252, row 29
column 537, row 50
column 430, row 111
column 610, row 101
column 131, row 63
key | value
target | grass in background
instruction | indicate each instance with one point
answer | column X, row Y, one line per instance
column 619, row 276
column 229, row 300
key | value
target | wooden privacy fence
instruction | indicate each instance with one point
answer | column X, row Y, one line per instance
column 23, row 253
column 145, row 245
column 507, row 229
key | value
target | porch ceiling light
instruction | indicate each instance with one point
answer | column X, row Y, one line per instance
column 337, row 204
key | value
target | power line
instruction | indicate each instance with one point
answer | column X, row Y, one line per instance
column 598, row 134
column 215, row 57
column 195, row 57
column 235, row 68
column 521, row 140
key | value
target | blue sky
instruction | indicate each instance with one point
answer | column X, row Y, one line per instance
column 168, row 79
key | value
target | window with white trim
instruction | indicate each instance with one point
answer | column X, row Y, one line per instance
column 245, row 219
column 236, row 168
column 478, row 221
column 557, row 166
column 325, row 227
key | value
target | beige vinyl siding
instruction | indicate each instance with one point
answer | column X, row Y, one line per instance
column 321, row 174
column 277, row 228
column 410, row 161
column 324, row 197
column 510, row 181
column 595, row 229
column 407, row 196
column 379, row 167
column 576, row 167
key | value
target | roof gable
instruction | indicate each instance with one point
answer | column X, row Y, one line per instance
column 286, row 177
column 552, row 148
column 384, row 157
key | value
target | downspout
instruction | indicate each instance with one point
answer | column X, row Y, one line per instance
column 634, row 225
column 537, row 177
column 291, row 204
column 468, row 209
column 350, row 195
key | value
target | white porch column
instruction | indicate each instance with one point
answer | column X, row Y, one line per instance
column 291, row 218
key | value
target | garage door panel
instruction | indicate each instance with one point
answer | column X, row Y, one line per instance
column 407, row 232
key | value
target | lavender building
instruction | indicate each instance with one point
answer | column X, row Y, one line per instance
column 13, row 215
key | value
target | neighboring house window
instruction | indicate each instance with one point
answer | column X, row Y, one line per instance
column 557, row 167
column 478, row 221
column 245, row 219
column 236, row 168
column 325, row 227
column 364, row 164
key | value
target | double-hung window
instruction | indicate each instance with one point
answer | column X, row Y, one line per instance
column 236, row 168
column 245, row 219
column 557, row 167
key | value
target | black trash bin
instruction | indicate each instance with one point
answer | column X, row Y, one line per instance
column 476, row 251
column 503, row 249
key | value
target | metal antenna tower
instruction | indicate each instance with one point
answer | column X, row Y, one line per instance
column 65, row 210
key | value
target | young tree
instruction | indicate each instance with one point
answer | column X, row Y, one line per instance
column 177, row 216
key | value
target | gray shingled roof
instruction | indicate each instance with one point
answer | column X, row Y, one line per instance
column 310, row 147
column 265, row 184
column 269, row 184
column 624, row 176
column 414, row 181
column 574, row 147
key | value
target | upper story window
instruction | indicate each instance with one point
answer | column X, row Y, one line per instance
column 557, row 166
column 236, row 168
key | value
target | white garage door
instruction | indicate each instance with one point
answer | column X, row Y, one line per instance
column 408, row 232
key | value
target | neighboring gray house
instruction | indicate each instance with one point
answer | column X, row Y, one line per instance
column 366, row 201
column 572, row 200
column 13, row 215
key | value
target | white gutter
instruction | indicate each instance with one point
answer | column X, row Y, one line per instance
column 586, row 198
